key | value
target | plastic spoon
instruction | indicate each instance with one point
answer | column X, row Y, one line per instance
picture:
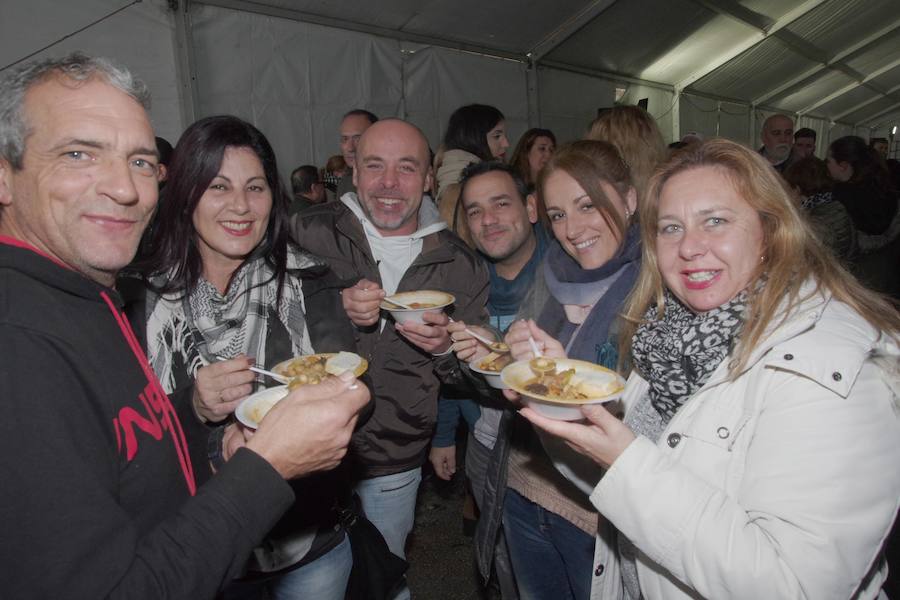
column 272, row 374
column 534, row 347
column 498, row 347
column 400, row 304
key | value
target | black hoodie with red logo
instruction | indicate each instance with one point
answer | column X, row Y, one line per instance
column 97, row 491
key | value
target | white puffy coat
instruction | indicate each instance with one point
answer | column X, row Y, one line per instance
column 782, row 483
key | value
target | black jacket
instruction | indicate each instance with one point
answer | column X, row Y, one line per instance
column 97, row 487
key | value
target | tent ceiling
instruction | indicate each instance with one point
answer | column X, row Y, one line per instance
column 499, row 24
column 835, row 59
column 617, row 42
column 838, row 60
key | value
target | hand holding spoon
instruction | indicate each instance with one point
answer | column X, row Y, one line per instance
column 498, row 347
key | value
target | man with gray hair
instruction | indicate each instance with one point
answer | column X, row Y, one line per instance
column 99, row 497
column 777, row 138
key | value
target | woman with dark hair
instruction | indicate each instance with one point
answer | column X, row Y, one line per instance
column 478, row 129
column 226, row 290
column 863, row 185
column 809, row 178
column 475, row 132
column 534, row 149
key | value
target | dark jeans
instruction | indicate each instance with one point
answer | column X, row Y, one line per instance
column 552, row 559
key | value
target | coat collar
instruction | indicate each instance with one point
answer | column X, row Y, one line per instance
column 436, row 247
column 796, row 344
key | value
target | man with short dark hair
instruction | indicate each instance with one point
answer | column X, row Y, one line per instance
column 353, row 125
column 307, row 187
column 502, row 219
column 880, row 145
column 777, row 138
column 804, row 144
column 386, row 238
column 99, row 498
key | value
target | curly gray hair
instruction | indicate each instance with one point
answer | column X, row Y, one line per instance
column 78, row 67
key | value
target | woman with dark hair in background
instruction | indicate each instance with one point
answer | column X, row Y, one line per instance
column 225, row 290
column 534, row 149
column 475, row 132
column 863, row 185
column 809, row 178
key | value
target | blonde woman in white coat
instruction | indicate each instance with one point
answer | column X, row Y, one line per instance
column 759, row 453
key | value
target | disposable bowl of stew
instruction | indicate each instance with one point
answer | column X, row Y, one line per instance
column 311, row 369
column 419, row 303
column 558, row 388
column 254, row 407
column 490, row 368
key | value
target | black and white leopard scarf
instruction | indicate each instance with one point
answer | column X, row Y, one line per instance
column 677, row 354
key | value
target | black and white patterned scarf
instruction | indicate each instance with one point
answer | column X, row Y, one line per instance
column 677, row 354
column 812, row 201
column 206, row 326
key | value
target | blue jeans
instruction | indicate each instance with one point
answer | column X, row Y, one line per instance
column 477, row 458
column 551, row 558
column 390, row 503
column 325, row 578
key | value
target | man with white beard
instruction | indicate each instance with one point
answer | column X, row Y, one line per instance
column 777, row 138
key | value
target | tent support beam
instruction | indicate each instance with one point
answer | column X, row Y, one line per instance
column 838, row 58
column 304, row 17
column 185, row 66
column 759, row 37
column 764, row 24
column 864, row 104
column 552, row 64
column 676, row 117
column 533, row 95
column 569, row 28
column 739, row 13
column 751, row 126
column 756, row 107
column 892, row 108
column 861, row 82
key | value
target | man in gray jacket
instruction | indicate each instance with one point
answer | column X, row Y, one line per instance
column 384, row 239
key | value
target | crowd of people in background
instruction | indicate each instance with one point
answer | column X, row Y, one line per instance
column 750, row 298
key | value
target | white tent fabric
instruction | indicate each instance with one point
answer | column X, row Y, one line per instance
column 293, row 67
column 437, row 81
column 569, row 101
column 141, row 37
column 294, row 81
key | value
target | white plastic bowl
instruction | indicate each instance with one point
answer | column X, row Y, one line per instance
column 492, row 378
column 254, row 407
column 516, row 374
column 438, row 300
